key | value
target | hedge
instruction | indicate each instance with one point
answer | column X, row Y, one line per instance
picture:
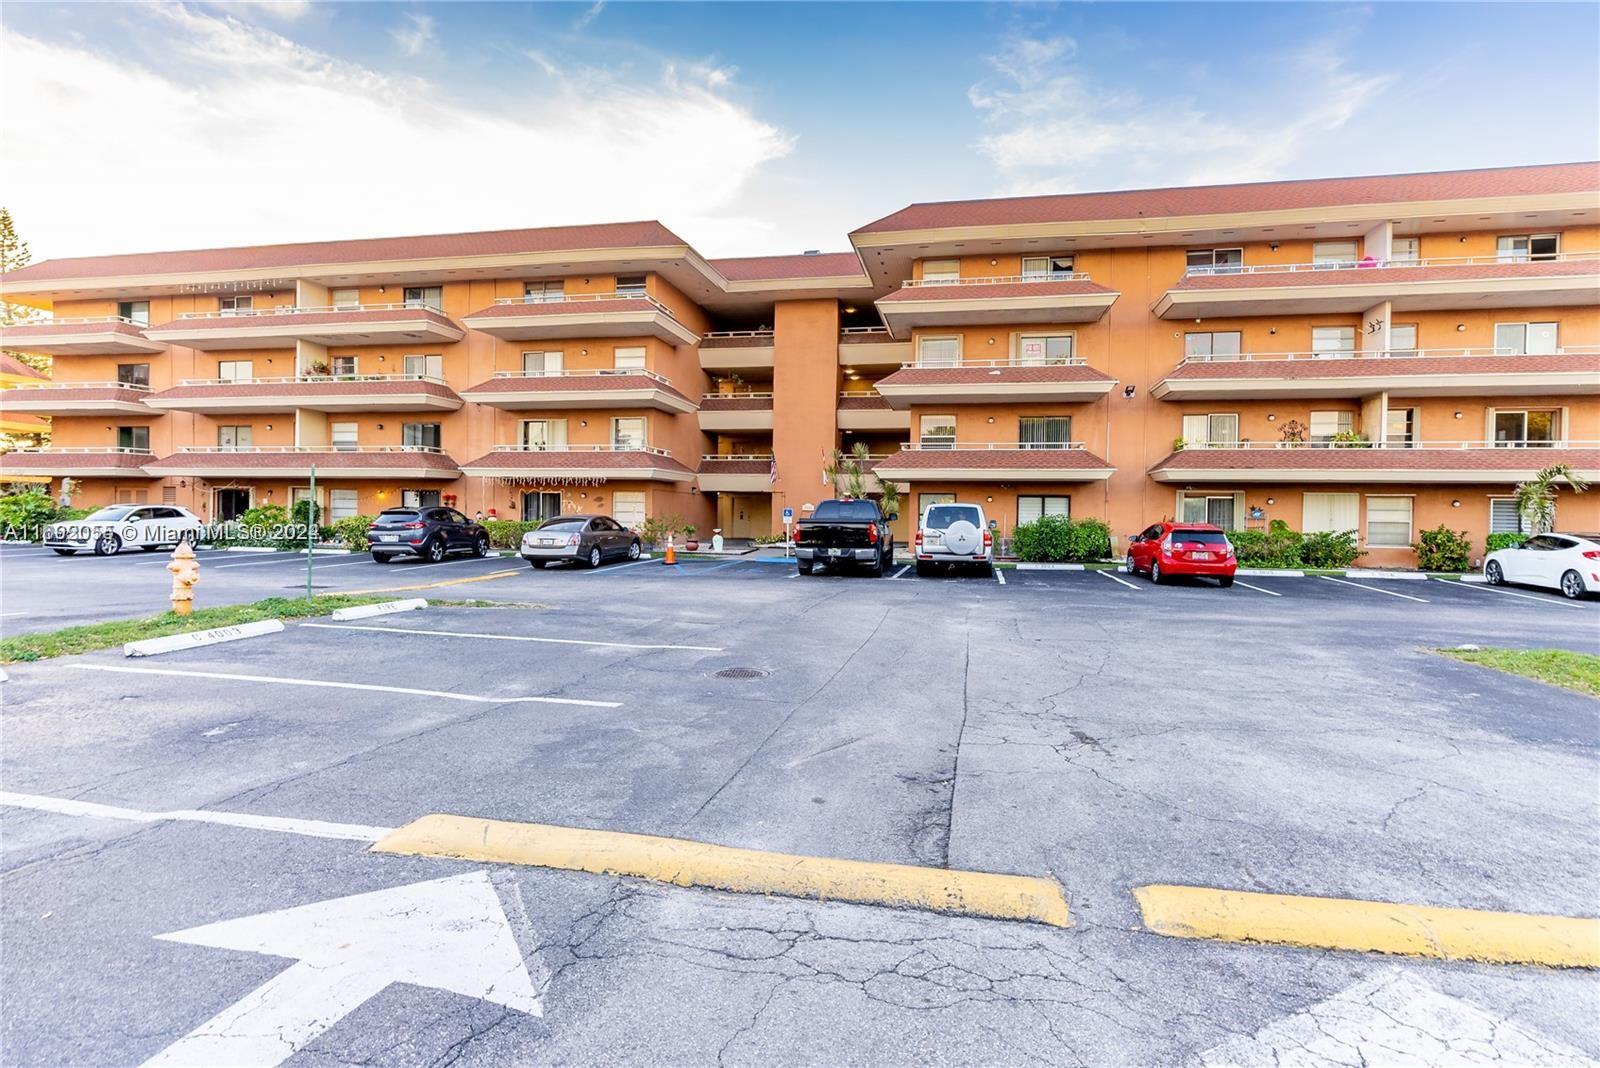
column 1504, row 540
column 507, row 533
column 1057, row 539
column 1262, row 548
column 1442, row 549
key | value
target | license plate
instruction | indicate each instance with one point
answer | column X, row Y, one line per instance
column 388, row 537
column 547, row 541
column 1199, row 556
column 835, row 552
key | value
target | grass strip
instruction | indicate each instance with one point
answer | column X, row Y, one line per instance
column 1555, row 667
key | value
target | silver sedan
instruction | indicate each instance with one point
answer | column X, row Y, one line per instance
column 587, row 539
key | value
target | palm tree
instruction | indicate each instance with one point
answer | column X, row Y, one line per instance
column 849, row 474
column 1536, row 498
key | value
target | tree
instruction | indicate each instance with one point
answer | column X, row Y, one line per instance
column 849, row 474
column 1536, row 498
column 15, row 255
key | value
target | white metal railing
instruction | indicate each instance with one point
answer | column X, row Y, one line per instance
column 862, row 331
column 1371, row 264
column 1387, row 354
column 1004, row 279
column 312, row 379
column 295, row 309
column 132, row 387
column 749, row 395
column 756, row 335
column 299, row 449
column 83, row 450
column 596, row 372
column 588, row 298
column 614, row 447
column 951, row 445
column 1015, row 361
column 1358, row 444
column 78, row 320
column 846, row 394
column 712, row 456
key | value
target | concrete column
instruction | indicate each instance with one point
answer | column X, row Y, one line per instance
column 1375, row 418
column 310, row 295
column 310, row 428
column 307, row 353
column 1374, row 333
column 805, row 387
column 1378, row 241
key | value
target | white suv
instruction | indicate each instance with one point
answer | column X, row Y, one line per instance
column 109, row 530
column 954, row 534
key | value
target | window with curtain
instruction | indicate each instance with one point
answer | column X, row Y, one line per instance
column 343, row 436
column 1504, row 517
column 938, row 351
column 425, row 297
column 1044, row 431
column 628, row 433
column 1403, row 339
column 1046, row 266
column 1040, row 350
column 1031, row 507
column 343, row 503
column 235, row 437
column 1526, row 339
column 938, row 432
column 133, row 374
column 628, row 358
column 1333, row 340
column 420, row 435
column 1215, row 428
column 1213, row 343
column 940, row 270
column 1389, row 522
column 544, row 434
column 427, row 366
column 133, row 437
column 542, row 363
column 548, row 291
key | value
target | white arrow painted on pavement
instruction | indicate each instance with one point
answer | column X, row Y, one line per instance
column 446, row 933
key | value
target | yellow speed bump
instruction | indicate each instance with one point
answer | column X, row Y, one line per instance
column 745, row 871
column 1372, row 926
column 432, row 585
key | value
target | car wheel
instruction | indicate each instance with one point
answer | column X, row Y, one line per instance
column 1572, row 585
column 594, row 556
column 480, row 548
column 382, row 558
column 1226, row 582
column 633, row 549
column 879, row 568
column 805, row 566
column 65, row 552
column 436, row 551
column 1155, row 572
column 924, row 569
column 1495, row 575
column 537, row 565
column 1129, row 566
column 108, row 545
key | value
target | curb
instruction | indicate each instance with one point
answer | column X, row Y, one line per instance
column 387, row 608
column 196, row 638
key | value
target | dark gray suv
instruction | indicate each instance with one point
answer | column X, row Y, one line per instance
column 431, row 533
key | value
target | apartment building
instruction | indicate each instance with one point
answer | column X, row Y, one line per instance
column 1381, row 354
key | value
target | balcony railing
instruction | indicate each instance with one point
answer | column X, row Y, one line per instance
column 1055, row 361
column 325, row 309
column 82, row 320
column 598, row 372
column 36, row 387
column 303, row 449
column 712, row 457
column 862, row 333
column 615, row 447
column 1269, row 446
column 312, row 379
column 997, row 280
column 756, row 337
column 952, row 445
column 748, row 395
column 79, row 450
column 1387, row 354
column 589, row 298
column 1357, row 265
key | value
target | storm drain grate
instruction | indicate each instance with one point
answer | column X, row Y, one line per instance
column 741, row 673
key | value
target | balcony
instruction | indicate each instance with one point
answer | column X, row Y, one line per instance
column 1428, row 461
column 581, row 315
column 871, row 346
column 77, row 462
column 1069, row 380
column 740, row 473
column 318, row 393
column 736, row 411
column 1060, row 298
column 76, row 398
column 94, row 335
column 736, row 350
column 621, row 388
column 1409, row 373
column 578, row 464
column 1351, row 288
column 1066, row 461
column 391, row 462
column 869, row 411
column 280, row 328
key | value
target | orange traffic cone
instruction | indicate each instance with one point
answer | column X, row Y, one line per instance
column 672, row 556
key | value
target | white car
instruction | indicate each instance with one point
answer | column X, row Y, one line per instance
column 111, row 529
column 953, row 534
column 1567, row 562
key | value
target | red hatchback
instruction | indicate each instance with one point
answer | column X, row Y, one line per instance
column 1167, row 549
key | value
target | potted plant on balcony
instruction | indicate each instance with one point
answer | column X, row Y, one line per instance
column 1293, row 433
column 319, row 367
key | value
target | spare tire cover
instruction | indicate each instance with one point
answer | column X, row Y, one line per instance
column 963, row 538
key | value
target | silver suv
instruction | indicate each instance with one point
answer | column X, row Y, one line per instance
column 954, row 534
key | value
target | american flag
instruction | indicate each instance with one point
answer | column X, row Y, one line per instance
column 772, row 472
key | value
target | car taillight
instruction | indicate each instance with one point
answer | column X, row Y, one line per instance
column 988, row 539
column 1592, row 554
column 411, row 526
column 919, row 538
column 572, row 539
column 872, row 535
column 1166, row 545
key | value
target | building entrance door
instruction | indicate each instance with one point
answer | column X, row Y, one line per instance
column 231, row 504
column 749, row 516
column 537, row 506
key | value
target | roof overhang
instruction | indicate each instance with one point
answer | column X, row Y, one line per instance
column 714, row 482
column 594, row 323
column 1289, row 475
column 77, row 341
column 1396, row 385
column 904, row 396
column 220, row 466
column 904, row 315
column 490, row 469
column 219, row 333
column 1353, row 298
column 873, row 419
column 267, row 402
column 513, row 400
column 728, row 419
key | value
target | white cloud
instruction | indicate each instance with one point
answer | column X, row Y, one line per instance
column 1053, row 129
column 249, row 137
column 415, row 34
column 590, row 14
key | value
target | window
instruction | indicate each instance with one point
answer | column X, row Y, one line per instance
column 234, row 437
column 420, row 435
column 1537, row 427
column 133, row 437
column 1217, row 428
column 627, row 508
column 1403, row 339
column 1332, row 341
column 425, row 297
column 1329, row 513
column 938, row 432
column 628, row 433
column 342, row 365
column 539, row 505
column 544, row 434
column 1039, row 350
column 137, row 310
column 1400, row 427
column 1334, row 253
column 1044, row 266
column 1521, row 248
column 1215, row 260
column 1504, row 517
column 1213, row 344
column 1044, row 431
column 938, row 352
column 940, row 270
column 342, row 436
column 235, row 370
column 1030, row 508
column 1389, row 522
column 347, row 299
column 343, row 503
column 550, row 362
column 630, row 285
column 1404, row 250
column 1526, row 339
column 546, row 292
column 235, row 305
column 1325, row 426
column 1218, row 510
column 630, row 358
column 423, row 366
column 133, row 374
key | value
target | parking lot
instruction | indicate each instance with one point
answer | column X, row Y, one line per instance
column 1289, row 736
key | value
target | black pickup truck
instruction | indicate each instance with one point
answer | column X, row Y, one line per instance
column 845, row 531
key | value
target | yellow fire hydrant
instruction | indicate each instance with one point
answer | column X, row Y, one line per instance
column 185, row 573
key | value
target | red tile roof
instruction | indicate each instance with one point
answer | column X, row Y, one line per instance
column 1356, row 276
column 864, row 402
column 567, row 383
column 325, row 387
column 519, row 309
column 775, row 268
column 981, row 291
column 10, row 365
column 996, row 459
column 735, row 404
column 534, row 460
column 876, row 337
column 1367, row 366
column 66, row 392
column 361, row 250
column 245, row 322
column 44, row 331
column 331, row 460
column 735, row 467
column 736, row 342
column 1253, row 196
column 919, row 376
column 1488, row 460
column 68, row 462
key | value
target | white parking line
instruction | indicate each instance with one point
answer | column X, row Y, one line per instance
column 1120, row 582
column 328, row 684
column 354, row 832
column 1510, row 593
column 605, row 570
column 1000, row 576
column 1374, row 589
column 1258, row 589
column 902, row 571
column 283, row 558
column 514, row 638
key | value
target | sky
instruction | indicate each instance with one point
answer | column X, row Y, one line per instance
column 747, row 128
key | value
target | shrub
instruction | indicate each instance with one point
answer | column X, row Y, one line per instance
column 23, row 515
column 1089, row 539
column 1330, row 549
column 507, row 533
column 1056, row 539
column 1504, row 540
column 1442, row 549
column 654, row 531
column 1351, row 439
column 351, row 532
column 1277, row 547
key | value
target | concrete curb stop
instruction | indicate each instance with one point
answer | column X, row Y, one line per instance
column 196, row 638
column 386, row 608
